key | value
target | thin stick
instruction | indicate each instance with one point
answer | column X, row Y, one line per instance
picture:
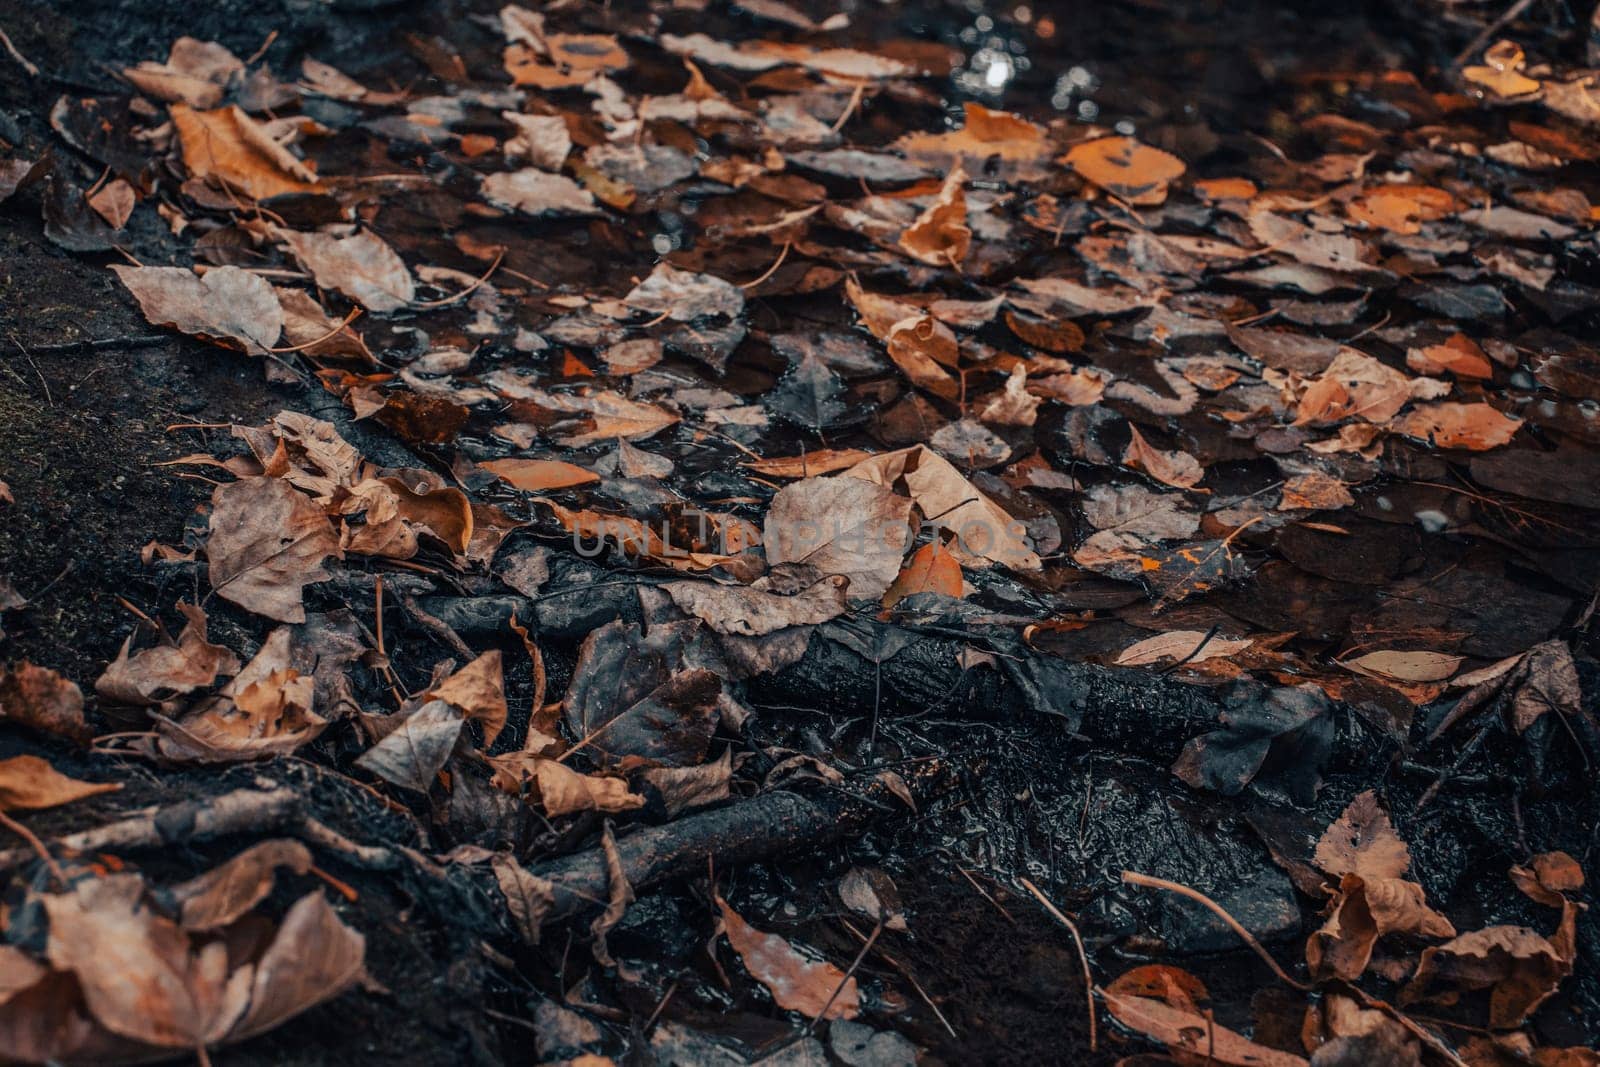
column 1135, row 878
column 905, row 972
column 1083, row 957
column 446, row 301
column 18, row 56
column 770, row 271
column 1511, row 13
column 38, row 846
column 348, row 319
column 872, row 940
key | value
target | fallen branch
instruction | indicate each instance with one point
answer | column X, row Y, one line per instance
column 768, row 825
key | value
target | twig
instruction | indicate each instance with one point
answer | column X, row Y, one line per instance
column 18, row 56
column 905, row 972
column 1511, row 13
column 1083, row 957
column 770, row 271
column 1135, row 878
column 438, row 627
column 38, row 846
column 348, row 319
column 845, row 979
column 447, row 301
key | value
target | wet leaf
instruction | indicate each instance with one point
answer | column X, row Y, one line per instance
column 413, row 754
column 478, row 691
column 1188, row 646
column 931, row 569
column 540, row 475
column 362, row 267
column 1125, row 168
column 796, row 981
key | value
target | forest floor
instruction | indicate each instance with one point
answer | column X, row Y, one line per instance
column 687, row 533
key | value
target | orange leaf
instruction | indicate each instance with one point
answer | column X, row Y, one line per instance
column 931, row 569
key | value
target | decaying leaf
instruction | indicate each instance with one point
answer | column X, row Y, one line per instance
column 559, row 789
column 42, row 700
column 479, row 691
column 226, row 305
column 758, row 609
column 812, row 987
column 168, row 669
column 941, row 236
column 267, row 543
column 931, row 569
column 362, row 267
column 1125, row 168
column 413, row 753
column 216, row 147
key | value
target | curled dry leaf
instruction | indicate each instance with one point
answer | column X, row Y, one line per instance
column 1176, row 468
column 196, row 73
column 1187, row 1032
column 796, row 981
column 559, row 789
column 362, row 267
column 267, row 543
column 225, row 893
column 1548, row 877
column 266, row 710
column 1520, row 967
column 215, row 147
column 226, row 305
column 170, row 668
column 479, row 691
column 941, row 236
column 28, row 782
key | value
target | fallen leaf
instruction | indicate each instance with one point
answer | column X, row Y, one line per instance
column 225, row 893
column 114, row 203
column 168, row 669
column 540, row 475
column 1187, row 1032
column 931, row 569
column 312, row 959
column 685, row 296
column 841, row 526
column 559, row 789
column 28, row 782
column 196, row 72
column 267, row 543
column 266, row 710
column 535, row 192
column 1520, row 967
column 1474, row 427
column 941, row 236
column 414, row 752
column 215, row 147
column 478, row 690
column 1175, row 468
column 1125, row 168
column 757, row 609
column 1417, row 666
column 1362, row 841
column 796, row 981
column 362, row 267
column 226, row 305
column 1188, row 646
column 40, row 699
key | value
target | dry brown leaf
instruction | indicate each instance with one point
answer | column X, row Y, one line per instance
column 226, row 305
column 1125, row 168
column 1402, row 208
column 266, row 710
column 215, row 147
column 114, row 202
column 479, row 691
column 758, row 609
column 169, row 669
column 842, row 526
column 1189, row 646
column 796, row 982
column 225, row 893
column 1176, row 468
column 313, row 958
column 362, row 267
column 539, row 475
column 1314, row 491
column 1520, row 967
column 196, row 72
column 28, row 782
column 810, row 465
column 1473, row 427
column 1014, row 405
column 1548, row 877
column 983, row 530
column 267, row 543
column 1406, row 666
column 918, row 345
column 1362, row 841
column 1356, row 385
column 40, row 699
column 931, row 569
column 1459, row 355
column 941, row 236
column 414, row 752
column 559, row 789
column 1187, row 1032
column 535, row 192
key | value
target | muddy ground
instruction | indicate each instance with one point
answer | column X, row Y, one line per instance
column 89, row 392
